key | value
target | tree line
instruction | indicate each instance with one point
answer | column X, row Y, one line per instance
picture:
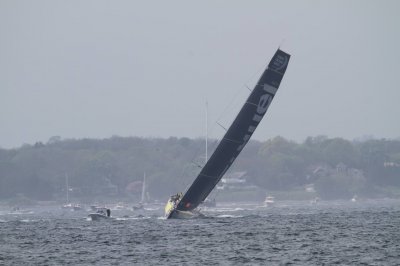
column 114, row 167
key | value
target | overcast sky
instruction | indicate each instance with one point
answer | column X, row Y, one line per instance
column 94, row 69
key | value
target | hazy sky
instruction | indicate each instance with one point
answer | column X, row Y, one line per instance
column 94, row 69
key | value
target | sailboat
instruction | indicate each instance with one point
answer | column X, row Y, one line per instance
column 234, row 140
column 68, row 205
column 140, row 205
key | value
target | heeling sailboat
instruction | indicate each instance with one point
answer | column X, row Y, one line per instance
column 234, row 140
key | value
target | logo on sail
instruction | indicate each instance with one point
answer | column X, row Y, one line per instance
column 262, row 107
column 279, row 62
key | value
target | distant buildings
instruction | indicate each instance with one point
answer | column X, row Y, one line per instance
column 235, row 181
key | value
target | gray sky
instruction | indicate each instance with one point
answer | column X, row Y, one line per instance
column 100, row 68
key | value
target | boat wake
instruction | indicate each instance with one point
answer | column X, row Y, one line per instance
column 229, row 216
column 225, row 209
column 151, row 209
column 133, row 218
column 27, row 221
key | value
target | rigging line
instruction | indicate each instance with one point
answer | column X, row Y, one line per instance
column 186, row 181
column 195, row 156
column 234, row 97
column 231, row 106
column 234, row 107
column 257, row 73
column 216, row 193
column 231, row 103
column 209, row 176
column 232, row 140
column 221, row 126
column 214, row 145
column 198, row 165
column 198, row 153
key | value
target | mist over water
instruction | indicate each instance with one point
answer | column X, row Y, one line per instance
column 300, row 233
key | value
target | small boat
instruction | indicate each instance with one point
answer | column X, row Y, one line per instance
column 138, row 206
column 97, row 216
column 101, row 214
column 119, row 207
column 18, row 210
column 77, row 207
column 315, row 200
column 269, row 201
column 234, row 140
column 72, row 207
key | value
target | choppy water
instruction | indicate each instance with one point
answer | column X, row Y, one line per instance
column 295, row 233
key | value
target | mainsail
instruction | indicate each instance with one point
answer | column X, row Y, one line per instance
column 238, row 133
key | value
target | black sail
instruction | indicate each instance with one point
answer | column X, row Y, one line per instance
column 238, row 133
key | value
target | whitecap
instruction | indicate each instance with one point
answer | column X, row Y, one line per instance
column 229, row 216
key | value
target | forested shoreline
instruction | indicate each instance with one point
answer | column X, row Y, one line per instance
column 335, row 168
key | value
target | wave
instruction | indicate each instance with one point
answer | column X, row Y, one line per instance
column 229, row 216
column 225, row 209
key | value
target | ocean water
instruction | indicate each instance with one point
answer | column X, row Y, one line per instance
column 289, row 233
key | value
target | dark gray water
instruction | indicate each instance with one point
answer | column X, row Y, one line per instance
column 297, row 233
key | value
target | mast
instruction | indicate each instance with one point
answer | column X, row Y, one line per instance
column 67, row 185
column 143, row 188
column 238, row 134
column 206, row 131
